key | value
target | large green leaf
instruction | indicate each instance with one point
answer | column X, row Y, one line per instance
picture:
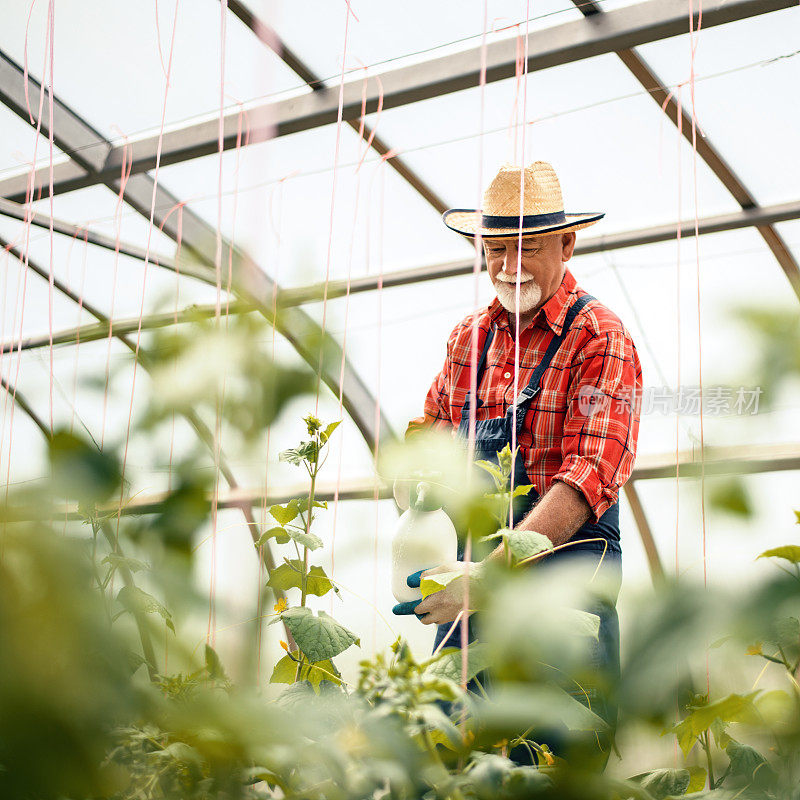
column 663, row 783
column 776, row 707
column 697, row 779
column 514, row 707
column 181, row 513
column 309, row 540
column 286, row 513
column 731, row 496
column 302, row 504
column 281, row 536
column 747, row 763
column 791, row 552
column 286, row 670
column 326, row 434
column 431, row 717
column 524, row 544
column 733, row 708
column 81, row 470
column 289, row 576
column 213, row 665
column 319, row 637
column 492, row 468
column 431, row 584
column 134, row 599
column 306, row 451
column 448, row 663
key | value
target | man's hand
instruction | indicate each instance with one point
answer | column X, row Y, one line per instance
column 445, row 605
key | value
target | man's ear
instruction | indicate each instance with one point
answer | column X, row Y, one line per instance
column 567, row 245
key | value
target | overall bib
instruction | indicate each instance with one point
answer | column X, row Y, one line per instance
column 491, row 436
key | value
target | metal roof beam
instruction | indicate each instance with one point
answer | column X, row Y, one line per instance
column 200, row 428
column 573, row 41
column 287, row 298
column 718, row 461
column 250, row 282
column 269, row 37
column 705, row 149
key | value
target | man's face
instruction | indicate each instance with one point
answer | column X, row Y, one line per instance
column 539, row 260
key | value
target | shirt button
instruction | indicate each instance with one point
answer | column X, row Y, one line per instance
column 506, row 375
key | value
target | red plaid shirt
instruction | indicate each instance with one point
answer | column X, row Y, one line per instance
column 582, row 426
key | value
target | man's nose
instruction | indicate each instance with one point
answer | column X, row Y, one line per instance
column 510, row 262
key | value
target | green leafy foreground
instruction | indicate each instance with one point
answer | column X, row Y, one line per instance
column 104, row 694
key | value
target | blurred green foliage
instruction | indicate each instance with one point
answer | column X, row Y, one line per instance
column 91, row 708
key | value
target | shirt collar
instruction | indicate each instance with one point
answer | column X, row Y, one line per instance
column 552, row 314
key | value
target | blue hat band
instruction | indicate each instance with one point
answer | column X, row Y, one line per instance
column 527, row 221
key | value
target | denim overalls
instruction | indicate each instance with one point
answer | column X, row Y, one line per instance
column 491, row 435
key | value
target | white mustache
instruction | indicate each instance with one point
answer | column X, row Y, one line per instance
column 504, row 279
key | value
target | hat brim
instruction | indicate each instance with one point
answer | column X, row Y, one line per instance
column 467, row 222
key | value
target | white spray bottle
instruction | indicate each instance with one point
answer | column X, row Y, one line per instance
column 424, row 537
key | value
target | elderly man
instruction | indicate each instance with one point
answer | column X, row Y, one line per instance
column 571, row 366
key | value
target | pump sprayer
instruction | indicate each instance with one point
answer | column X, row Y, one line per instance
column 424, row 537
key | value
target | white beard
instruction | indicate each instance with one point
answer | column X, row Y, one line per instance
column 530, row 293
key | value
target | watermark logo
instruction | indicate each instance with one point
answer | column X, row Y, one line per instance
column 710, row 401
column 592, row 401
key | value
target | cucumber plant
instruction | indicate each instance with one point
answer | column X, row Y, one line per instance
column 317, row 637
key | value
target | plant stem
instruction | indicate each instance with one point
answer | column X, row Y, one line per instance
column 304, row 580
column 705, row 741
column 139, row 618
column 313, row 469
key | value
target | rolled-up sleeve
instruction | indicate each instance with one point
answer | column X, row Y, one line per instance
column 436, row 411
column 601, row 427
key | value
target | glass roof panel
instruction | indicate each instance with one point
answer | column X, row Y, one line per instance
column 369, row 205
column 126, row 95
column 746, row 74
column 97, row 208
column 628, row 166
column 790, row 231
column 19, row 142
column 378, row 34
column 105, row 281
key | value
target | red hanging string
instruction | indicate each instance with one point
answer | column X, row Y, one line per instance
column 276, row 226
column 347, row 312
column 473, row 387
column 211, row 632
column 51, row 22
column 146, row 264
column 25, row 234
column 347, row 14
column 125, row 173
column 517, row 283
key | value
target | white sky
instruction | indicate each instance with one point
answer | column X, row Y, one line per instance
column 614, row 151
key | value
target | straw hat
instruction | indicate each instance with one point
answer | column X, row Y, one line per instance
column 541, row 206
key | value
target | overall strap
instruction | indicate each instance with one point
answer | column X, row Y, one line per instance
column 481, row 364
column 532, row 388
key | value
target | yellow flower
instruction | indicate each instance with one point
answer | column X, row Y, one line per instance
column 285, row 646
column 754, row 649
column 281, row 605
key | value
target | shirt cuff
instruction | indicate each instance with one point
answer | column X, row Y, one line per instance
column 581, row 474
